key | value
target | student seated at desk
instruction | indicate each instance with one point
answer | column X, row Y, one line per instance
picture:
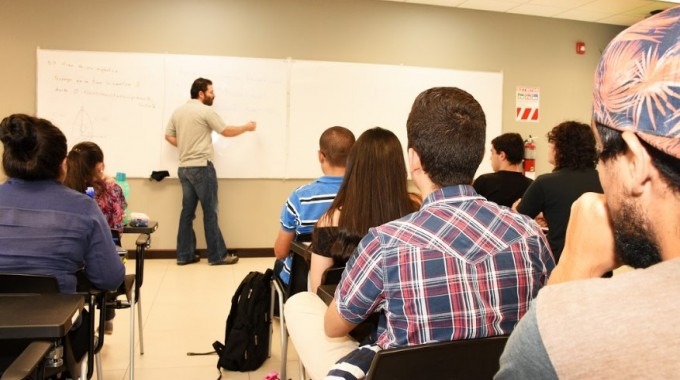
column 507, row 183
column 458, row 268
column 374, row 191
column 571, row 148
column 85, row 168
column 45, row 227
column 307, row 203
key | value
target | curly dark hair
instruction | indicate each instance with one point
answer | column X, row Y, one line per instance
column 574, row 145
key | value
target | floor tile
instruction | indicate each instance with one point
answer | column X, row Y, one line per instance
column 184, row 309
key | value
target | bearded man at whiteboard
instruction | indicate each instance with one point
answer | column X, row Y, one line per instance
column 189, row 129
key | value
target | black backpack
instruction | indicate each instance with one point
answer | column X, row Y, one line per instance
column 246, row 339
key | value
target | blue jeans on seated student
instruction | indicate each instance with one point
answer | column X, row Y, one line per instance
column 199, row 184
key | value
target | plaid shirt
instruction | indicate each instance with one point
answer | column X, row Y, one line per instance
column 459, row 268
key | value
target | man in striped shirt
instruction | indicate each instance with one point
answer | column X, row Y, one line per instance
column 308, row 202
column 459, row 268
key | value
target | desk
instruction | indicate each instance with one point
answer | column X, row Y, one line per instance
column 301, row 249
column 326, row 293
column 35, row 316
column 142, row 243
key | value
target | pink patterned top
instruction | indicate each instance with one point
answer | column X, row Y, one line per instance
column 112, row 203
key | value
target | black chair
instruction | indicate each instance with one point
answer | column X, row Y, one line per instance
column 37, row 284
column 104, row 301
column 475, row 359
column 142, row 243
column 299, row 272
column 332, row 275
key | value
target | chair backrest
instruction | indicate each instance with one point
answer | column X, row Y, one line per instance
column 115, row 235
column 299, row 271
column 304, row 238
column 461, row 359
column 28, row 283
column 331, row 276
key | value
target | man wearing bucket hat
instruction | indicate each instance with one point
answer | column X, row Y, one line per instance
column 583, row 326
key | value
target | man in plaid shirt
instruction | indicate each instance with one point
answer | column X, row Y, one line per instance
column 459, row 268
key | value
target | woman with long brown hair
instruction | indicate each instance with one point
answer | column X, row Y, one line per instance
column 85, row 168
column 374, row 191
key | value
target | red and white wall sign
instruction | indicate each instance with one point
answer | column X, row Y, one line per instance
column 527, row 103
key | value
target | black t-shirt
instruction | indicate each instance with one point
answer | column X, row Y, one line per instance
column 502, row 187
column 552, row 194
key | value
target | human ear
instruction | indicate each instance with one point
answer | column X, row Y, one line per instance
column 414, row 160
column 501, row 156
column 62, row 171
column 638, row 164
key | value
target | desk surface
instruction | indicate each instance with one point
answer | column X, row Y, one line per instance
column 38, row 315
column 151, row 228
column 302, row 249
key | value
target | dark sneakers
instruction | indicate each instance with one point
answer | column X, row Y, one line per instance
column 227, row 260
column 196, row 259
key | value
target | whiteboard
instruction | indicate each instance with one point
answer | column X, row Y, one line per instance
column 360, row 96
column 115, row 100
column 245, row 89
column 123, row 101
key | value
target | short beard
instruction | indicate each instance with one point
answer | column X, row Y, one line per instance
column 633, row 239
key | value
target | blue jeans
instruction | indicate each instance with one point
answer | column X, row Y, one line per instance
column 199, row 184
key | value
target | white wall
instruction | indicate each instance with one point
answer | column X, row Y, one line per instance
column 530, row 51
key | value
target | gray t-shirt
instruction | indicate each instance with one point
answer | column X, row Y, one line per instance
column 192, row 124
column 525, row 356
column 626, row 326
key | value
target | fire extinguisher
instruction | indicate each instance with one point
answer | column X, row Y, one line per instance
column 530, row 158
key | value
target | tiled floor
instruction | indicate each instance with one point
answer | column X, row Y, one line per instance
column 184, row 310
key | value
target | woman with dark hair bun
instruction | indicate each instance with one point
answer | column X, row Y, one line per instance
column 45, row 227
column 571, row 149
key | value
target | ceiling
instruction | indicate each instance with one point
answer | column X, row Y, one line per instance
column 616, row 12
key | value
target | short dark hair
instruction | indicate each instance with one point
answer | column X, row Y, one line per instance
column 335, row 143
column 614, row 145
column 447, row 128
column 34, row 148
column 574, row 145
column 200, row 84
column 512, row 145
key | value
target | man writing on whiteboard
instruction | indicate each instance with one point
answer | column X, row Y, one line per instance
column 189, row 130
